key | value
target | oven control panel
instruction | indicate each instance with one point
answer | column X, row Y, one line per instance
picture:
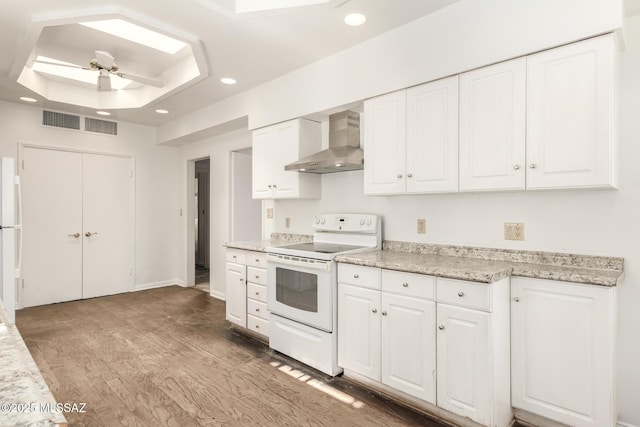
column 355, row 223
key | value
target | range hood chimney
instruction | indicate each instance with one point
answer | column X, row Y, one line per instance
column 344, row 152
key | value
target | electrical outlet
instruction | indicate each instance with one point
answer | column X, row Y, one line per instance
column 514, row 231
column 269, row 213
column 422, row 226
column 287, row 222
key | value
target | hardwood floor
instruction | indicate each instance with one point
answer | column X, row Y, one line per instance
column 167, row 357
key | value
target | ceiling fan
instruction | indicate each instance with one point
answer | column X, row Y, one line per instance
column 105, row 64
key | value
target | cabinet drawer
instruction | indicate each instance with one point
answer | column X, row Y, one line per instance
column 256, row 275
column 257, row 259
column 236, row 256
column 257, row 308
column 464, row 294
column 368, row 277
column 409, row 284
column 257, row 292
column 258, row 325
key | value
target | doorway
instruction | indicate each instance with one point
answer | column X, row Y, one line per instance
column 201, row 223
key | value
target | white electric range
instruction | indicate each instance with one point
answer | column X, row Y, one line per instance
column 302, row 287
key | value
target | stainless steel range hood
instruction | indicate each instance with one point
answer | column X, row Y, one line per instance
column 344, row 152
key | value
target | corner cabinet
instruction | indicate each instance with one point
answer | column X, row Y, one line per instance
column 276, row 146
column 411, row 140
column 246, row 291
column 563, row 351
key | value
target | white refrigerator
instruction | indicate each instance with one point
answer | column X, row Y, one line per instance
column 9, row 231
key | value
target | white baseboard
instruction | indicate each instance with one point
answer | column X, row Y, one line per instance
column 621, row 424
column 154, row 285
column 218, row 295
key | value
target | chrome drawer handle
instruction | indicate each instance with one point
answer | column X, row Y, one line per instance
column 257, row 277
column 516, row 299
column 405, row 284
column 516, row 167
column 533, row 166
column 257, row 260
column 461, row 294
column 258, row 293
column 375, row 310
column 257, row 310
column 355, row 276
column 257, row 326
column 441, row 327
column 384, row 313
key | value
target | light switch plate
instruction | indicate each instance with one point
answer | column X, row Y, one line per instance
column 513, row 231
column 269, row 213
column 422, row 226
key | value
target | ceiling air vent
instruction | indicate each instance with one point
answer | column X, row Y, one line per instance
column 60, row 120
column 100, row 126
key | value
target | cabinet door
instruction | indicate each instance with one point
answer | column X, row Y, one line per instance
column 492, row 127
column 285, row 150
column 409, row 345
column 236, row 295
column 570, row 102
column 359, row 330
column 464, row 386
column 262, row 163
column 432, row 137
column 562, row 351
column 385, row 142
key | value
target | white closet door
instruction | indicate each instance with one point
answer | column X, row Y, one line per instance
column 52, row 215
column 108, row 210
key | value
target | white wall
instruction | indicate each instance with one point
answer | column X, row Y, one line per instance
column 246, row 215
column 598, row 222
column 465, row 35
column 218, row 149
column 156, row 180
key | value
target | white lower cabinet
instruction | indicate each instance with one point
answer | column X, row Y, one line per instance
column 384, row 336
column 563, row 361
column 246, row 290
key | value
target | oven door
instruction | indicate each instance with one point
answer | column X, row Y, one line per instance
column 301, row 289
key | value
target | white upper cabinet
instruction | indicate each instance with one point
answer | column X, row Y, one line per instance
column 385, row 144
column 492, row 127
column 276, row 146
column 411, row 140
column 432, row 137
column 570, row 126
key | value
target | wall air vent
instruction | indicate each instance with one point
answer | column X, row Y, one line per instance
column 60, row 120
column 100, row 126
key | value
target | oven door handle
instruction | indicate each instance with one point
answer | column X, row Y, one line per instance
column 314, row 265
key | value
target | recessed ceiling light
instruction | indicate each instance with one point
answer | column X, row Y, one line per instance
column 161, row 111
column 355, row 19
column 228, row 80
column 103, row 113
column 127, row 30
column 77, row 74
column 27, row 99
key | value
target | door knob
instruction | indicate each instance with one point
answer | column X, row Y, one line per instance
column 89, row 234
column 76, row 235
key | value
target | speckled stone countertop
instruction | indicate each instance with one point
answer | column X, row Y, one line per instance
column 277, row 239
column 21, row 383
column 488, row 265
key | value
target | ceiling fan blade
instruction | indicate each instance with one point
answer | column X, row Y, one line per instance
column 61, row 65
column 104, row 59
column 141, row 79
column 104, row 81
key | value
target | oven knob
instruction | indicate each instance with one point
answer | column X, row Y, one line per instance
column 322, row 221
column 317, row 220
column 368, row 221
column 362, row 221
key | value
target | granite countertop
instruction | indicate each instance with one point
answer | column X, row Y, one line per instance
column 277, row 239
column 486, row 265
column 21, row 383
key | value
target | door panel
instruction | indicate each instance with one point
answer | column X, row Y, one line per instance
column 108, row 215
column 52, row 211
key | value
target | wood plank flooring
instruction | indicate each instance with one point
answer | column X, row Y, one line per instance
column 167, row 357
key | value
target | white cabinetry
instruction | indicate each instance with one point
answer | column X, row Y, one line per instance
column 246, row 290
column 388, row 335
column 570, row 123
column 492, row 127
column 278, row 145
column 473, row 350
column 411, row 140
column 563, row 343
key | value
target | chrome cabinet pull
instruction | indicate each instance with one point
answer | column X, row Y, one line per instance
column 89, row 234
column 355, row 276
column 516, row 299
column 516, row 167
column 405, row 285
column 410, row 175
column 399, row 176
column 384, row 313
column 257, row 310
column 375, row 310
column 460, row 294
column 441, row 327
column 533, row 166
column 76, row 235
column 257, row 294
